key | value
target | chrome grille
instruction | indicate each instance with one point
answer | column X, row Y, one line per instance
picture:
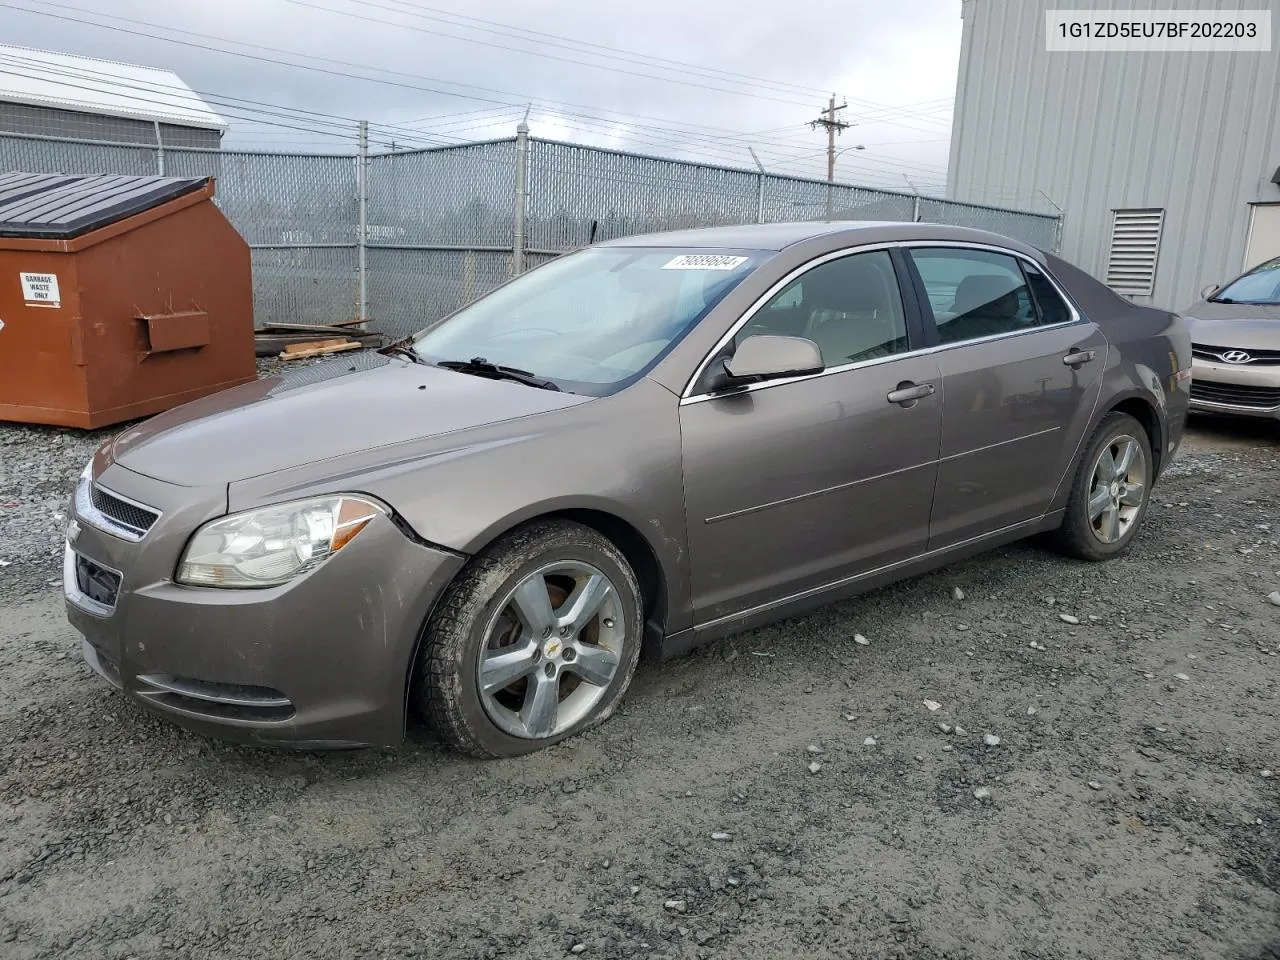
column 1235, row 394
column 230, row 701
column 1206, row 351
column 129, row 517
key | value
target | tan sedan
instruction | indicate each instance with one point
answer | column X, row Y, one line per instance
column 1235, row 333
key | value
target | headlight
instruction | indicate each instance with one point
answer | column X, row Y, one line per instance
column 271, row 546
column 80, row 497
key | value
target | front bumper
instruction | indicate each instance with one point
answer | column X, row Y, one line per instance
column 1244, row 390
column 320, row 662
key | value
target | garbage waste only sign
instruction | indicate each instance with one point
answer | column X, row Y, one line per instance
column 40, row 289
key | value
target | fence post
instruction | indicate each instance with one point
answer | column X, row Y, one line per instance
column 759, row 186
column 159, row 151
column 1057, row 227
column 362, row 229
column 915, row 203
column 521, row 199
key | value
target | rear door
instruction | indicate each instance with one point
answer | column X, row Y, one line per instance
column 1021, row 373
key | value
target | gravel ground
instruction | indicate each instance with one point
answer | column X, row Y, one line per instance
column 786, row 792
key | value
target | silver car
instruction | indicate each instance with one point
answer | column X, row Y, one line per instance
column 1235, row 333
column 644, row 445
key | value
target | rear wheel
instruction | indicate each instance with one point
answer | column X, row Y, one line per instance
column 535, row 641
column 1111, row 491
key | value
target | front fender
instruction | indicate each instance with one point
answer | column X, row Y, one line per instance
column 618, row 455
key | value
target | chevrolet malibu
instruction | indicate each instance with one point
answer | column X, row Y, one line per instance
column 640, row 446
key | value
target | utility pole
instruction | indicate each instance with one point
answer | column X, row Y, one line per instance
column 834, row 126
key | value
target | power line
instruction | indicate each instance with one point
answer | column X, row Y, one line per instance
column 570, row 43
column 225, row 103
column 677, row 133
column 464, row 113
column 392, row 132
column 273, row 123
column 740, row 91
column 399, row 132
column 670, row 127
column 548, row 56
column 728, row 155
column 545, row 39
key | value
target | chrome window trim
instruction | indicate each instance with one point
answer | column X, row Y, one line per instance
column 90, row 514
column 688, row 397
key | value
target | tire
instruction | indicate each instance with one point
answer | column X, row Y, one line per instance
column 493, row 610
column 1084, row 534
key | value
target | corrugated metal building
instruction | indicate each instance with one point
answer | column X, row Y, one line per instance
column 45, row 94
column 1162, row 163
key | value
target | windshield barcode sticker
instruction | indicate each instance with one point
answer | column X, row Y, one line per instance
column 704, row 261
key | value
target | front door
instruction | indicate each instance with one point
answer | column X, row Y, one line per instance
column 1021, row 374
column 793, row 485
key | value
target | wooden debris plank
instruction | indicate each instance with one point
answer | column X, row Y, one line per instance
column 270, row 344
column 322, row 351
column 306, row 327
column 315, row 344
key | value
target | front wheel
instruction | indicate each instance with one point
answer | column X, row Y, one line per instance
column 1111, row 491
column 535, row 641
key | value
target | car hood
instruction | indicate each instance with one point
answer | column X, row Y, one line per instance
column 325, row 411
column 1241, row 326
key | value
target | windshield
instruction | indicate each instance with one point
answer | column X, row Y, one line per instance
column 1259, row 285
column 593, row 321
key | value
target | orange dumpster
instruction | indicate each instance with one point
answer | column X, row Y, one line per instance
column 120, row 297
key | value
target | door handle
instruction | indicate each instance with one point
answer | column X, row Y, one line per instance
column 908, row 393
column 1078, row 358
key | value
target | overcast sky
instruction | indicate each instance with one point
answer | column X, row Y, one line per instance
column 671, row 93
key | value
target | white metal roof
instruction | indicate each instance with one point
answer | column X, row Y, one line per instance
column 103, row 87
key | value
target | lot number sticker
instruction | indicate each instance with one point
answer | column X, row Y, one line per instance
column 704, row 261
column 41, row 289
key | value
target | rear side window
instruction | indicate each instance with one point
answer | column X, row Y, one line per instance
column 1051, row 305
column 975, row 293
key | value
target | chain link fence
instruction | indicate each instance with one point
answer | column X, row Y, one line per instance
column 440, row 224
column 439, row 230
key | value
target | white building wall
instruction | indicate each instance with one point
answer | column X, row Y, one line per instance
column 1195, row 134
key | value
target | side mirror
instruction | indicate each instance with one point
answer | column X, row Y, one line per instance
column 1209, row 291
column 764, row 357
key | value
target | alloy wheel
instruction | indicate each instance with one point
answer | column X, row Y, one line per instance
column 551, row 651
column 1118, row 488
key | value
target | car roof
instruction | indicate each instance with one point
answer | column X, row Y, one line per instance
column 779, row 236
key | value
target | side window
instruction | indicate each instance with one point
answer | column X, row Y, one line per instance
column 1052, row 307
column 974, row 293
column 851, row 308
